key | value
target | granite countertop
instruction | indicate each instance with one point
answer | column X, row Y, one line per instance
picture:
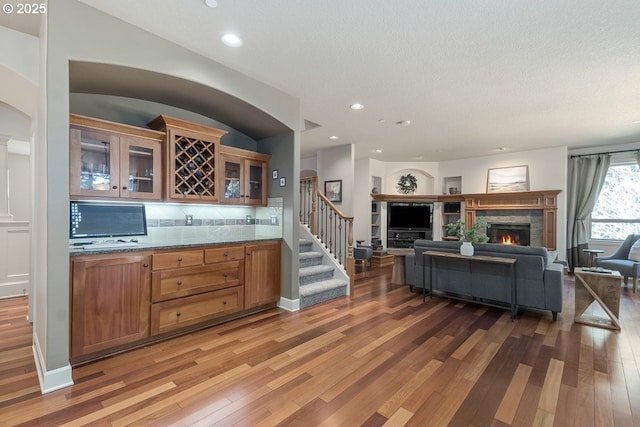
column 175, row 244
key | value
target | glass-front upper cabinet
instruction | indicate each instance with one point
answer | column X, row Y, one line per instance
column 245, row 178
column 232, row 191
column 256, row 182
column 105, row 162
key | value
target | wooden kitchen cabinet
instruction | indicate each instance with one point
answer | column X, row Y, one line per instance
column 244, row 177
column 108, row 159
column 179, row 313
column 262, row 274
column 193, row 286
column 191, row 159
column 128, row 299
column 110, row 301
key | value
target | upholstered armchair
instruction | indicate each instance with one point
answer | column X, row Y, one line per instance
column 619, row 260
column 362, row 254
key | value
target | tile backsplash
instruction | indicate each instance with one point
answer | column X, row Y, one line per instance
column 166, row 222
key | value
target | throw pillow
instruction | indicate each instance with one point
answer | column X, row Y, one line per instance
column 634, row 252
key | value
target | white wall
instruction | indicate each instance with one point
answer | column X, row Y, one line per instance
column 338, row 163
column 547, row 171
column 20, row 187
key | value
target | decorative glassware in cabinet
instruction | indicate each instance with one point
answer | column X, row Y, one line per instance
column 96, row 166
column 140, row 169
column 232, row 174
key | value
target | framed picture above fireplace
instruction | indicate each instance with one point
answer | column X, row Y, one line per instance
column 514, row 178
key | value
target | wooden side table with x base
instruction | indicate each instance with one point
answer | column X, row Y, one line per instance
column 603, row 288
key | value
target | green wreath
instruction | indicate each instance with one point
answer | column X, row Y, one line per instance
column 407, row 184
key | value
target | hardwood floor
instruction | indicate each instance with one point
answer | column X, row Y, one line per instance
column 379, row 358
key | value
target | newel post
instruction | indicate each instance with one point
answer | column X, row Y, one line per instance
column 314, row 206
column 351, row 264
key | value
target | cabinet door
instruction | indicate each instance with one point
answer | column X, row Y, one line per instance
column 255, row 174
column 140, row 168
column 192, row 164
column 233, row 190
column 262, row 274
column 93, row 163
column 110, row 302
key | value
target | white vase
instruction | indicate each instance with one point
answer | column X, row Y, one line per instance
column 466, row 249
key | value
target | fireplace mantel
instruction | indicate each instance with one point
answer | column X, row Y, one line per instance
column 545, row 200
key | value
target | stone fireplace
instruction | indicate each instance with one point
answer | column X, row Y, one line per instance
column 537, row 209
column 510, row 234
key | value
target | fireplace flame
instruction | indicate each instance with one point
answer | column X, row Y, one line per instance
column 508, row 240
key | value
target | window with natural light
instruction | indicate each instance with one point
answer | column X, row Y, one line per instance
column 617, row 210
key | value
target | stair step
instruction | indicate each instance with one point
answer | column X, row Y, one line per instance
column 315, row 273
column 321, row 286
column 305, row 245
column 308, row 259
column 322, row 291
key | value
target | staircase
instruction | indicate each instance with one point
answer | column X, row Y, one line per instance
column 320, row 280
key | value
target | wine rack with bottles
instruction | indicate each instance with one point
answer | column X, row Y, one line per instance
column 191, row 161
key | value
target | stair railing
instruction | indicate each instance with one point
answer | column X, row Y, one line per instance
column 325, row 221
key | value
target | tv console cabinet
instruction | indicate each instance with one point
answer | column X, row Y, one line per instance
column 398, row 238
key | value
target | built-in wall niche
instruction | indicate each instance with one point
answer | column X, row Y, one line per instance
column 452, row 185
column 425, row 181
column 376, row 214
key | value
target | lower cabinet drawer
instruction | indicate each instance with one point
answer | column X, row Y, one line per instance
column 175, row 314
column 169, row 284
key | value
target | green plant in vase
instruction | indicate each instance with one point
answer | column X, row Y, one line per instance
column 476, row 234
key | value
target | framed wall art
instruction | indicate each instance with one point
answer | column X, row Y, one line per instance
column 514, row 178
column 333, row 190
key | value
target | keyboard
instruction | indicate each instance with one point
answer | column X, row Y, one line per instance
column 108, row 245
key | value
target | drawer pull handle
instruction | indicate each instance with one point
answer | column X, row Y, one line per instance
column 179, row 282
column 115, row 187
column 226, row 254
column 178, row 314
column 225, row 275
column 179, row 259
column 145, row 265
column 224, row 302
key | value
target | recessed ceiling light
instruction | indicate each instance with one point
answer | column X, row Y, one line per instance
column 356, row 106
column 232, row 40
column 381, row 120
column 378, row 151
column 211, row 3
column 334, row 137
column 636, row 122
column 419, row 157
column 404, row 122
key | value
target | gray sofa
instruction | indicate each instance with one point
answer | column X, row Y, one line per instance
column 539, row 281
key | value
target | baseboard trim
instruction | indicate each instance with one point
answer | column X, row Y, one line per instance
column 289, row 305
column 50, row 380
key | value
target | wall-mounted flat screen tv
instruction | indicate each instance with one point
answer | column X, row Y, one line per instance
column 106, row 219
column 414, row 216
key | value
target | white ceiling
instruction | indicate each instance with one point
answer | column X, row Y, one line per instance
column 473, row 76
